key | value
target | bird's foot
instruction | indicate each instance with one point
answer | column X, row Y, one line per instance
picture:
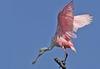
column 62, row 64
column 63, row 61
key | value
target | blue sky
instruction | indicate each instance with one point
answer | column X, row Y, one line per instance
column 27, row 25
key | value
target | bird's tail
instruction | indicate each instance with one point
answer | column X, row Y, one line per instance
column 73, row 49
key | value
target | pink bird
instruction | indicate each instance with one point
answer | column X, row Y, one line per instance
column 67, row 25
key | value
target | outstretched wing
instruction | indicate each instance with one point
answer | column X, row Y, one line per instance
column 81, row 21
column 65, row 19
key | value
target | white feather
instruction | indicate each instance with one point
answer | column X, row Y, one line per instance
column 81, row 21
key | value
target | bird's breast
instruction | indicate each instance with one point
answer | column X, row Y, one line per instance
column 62, row 42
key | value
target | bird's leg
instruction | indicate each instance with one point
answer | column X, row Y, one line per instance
column 42, row 51
column 65, row 56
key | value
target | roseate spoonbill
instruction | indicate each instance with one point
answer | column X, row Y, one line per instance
column 67, row 25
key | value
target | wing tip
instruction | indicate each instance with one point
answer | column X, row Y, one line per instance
column 84, row 21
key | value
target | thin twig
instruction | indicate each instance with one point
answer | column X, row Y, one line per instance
column 60, row 63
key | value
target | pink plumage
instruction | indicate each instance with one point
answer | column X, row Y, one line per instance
column 67, row 25
column 65, row 19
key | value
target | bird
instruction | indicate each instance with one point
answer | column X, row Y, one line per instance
column 68, row 24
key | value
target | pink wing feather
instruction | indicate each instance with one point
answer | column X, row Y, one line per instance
column 65, row 20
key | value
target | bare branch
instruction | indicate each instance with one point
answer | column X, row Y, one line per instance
column 60, row 63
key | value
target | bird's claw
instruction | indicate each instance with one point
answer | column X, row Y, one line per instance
column 64, row 62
